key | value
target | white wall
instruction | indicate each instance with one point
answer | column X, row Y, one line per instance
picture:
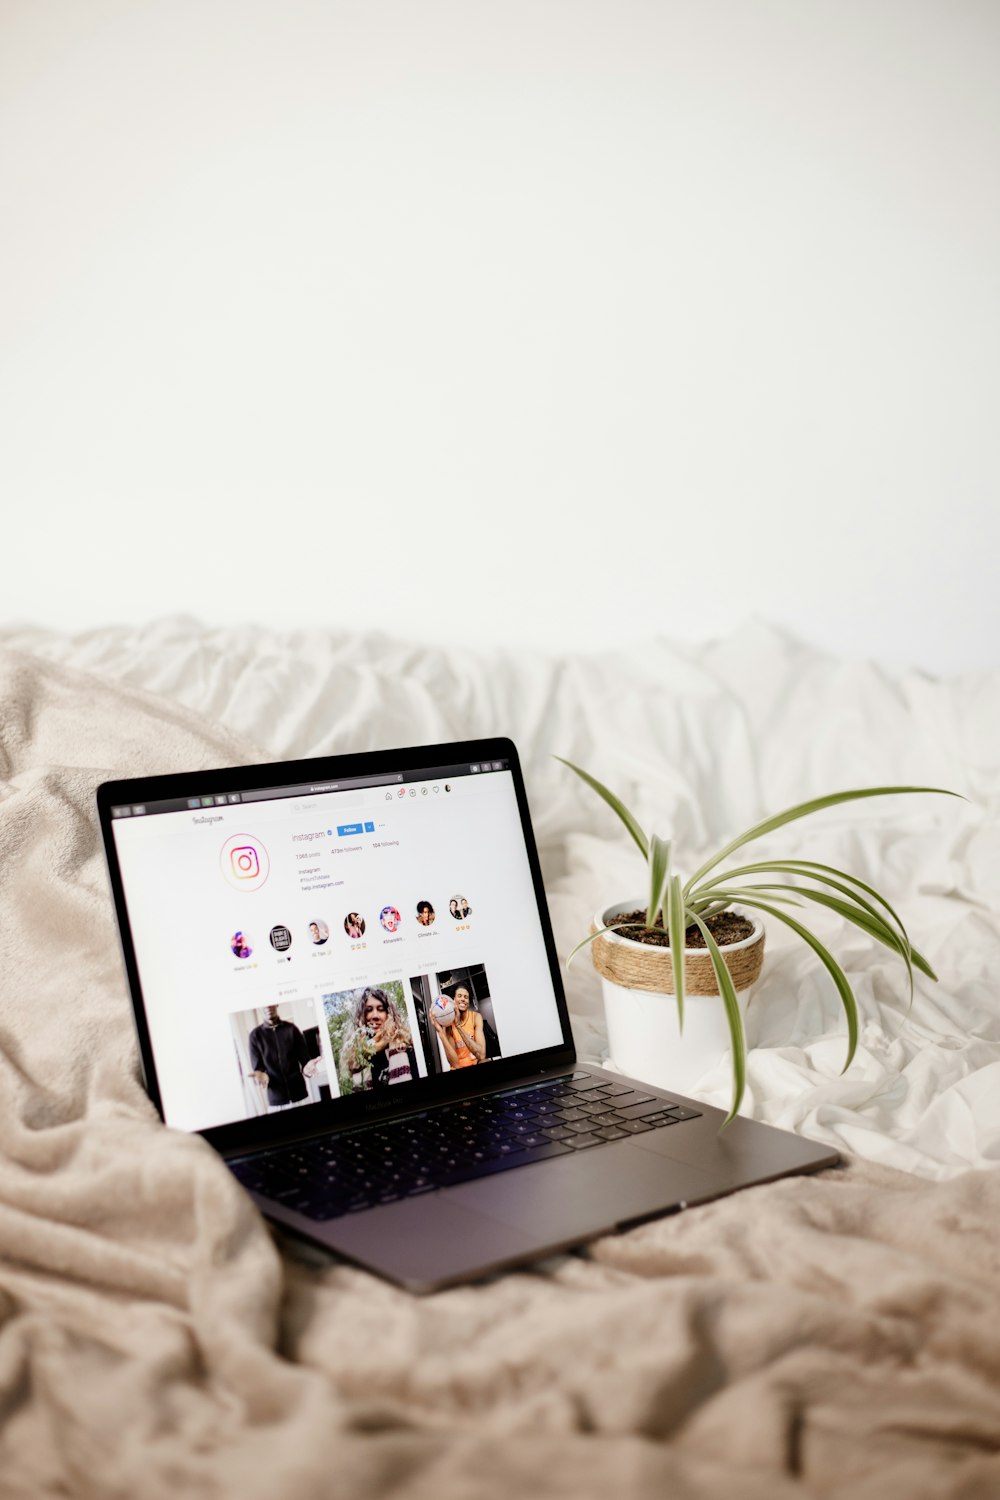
column 584, row 319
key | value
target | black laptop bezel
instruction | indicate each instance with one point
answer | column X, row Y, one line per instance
column 248, row 1135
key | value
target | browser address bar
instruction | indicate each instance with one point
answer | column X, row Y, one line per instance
column 266, row 794
column 353, row 781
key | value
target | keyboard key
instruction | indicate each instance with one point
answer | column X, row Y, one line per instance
column 503, row 1164
column 609, row 1117
column 250, row 1173
column 611, row 1133
column 585, row 1084
column 625, row 1101
column 580, row 1142
column 635, row 1127
column 558, row 1132
column 278, row 1188
column 316, row 1208
column 581, row 1127
column 278, row 1185
column 638, row 1111
column 681, row 1112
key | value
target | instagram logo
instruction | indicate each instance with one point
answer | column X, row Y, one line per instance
column 244, row 863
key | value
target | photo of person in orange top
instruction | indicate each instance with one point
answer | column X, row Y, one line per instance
column 455, row 1017
column 462, row 1041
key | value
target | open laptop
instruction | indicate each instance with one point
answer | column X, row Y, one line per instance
column 343, row 975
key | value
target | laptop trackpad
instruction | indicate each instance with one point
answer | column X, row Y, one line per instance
column 591, row 1192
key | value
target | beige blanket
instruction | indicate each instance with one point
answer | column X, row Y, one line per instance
column 834, row 1336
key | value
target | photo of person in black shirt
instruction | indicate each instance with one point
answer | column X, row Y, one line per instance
column 278, row 1050
column 279, row 1057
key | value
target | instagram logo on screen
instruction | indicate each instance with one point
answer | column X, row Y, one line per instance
column 244, row 862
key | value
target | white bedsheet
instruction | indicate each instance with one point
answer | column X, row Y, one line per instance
column 700, row 741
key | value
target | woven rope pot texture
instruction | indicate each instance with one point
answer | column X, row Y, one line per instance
column 644, row 1039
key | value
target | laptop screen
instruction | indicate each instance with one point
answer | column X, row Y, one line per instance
column 303, row 943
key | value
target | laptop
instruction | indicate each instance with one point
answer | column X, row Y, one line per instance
column 343, row 976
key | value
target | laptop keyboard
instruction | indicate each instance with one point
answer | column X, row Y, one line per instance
column 453, row 1143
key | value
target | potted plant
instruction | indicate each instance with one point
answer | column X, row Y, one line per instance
column 703, row 938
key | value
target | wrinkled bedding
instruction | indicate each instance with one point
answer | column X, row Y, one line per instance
column 827, row 1336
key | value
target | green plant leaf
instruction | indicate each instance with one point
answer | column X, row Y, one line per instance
column 733, row 1015
column 829, row 963
column 709, row 908
column 868, row 921
column 735, row 894
column 676, row 924
column 858, row 911
column 659, row 878
column 803, row 810
column 827, row 874
column 614, row 803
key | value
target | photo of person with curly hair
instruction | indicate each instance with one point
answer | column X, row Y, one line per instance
column 371, row 1037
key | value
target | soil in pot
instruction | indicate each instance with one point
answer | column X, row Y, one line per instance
column 725, row 927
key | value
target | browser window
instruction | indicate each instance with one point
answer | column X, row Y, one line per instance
column 299, row 944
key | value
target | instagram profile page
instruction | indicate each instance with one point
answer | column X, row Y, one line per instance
column 295, row 950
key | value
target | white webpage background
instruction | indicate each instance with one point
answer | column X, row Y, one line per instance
column 432, row 846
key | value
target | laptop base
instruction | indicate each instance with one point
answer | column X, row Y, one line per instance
column 476, row 1228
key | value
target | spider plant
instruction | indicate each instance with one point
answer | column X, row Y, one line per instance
column 675, row 905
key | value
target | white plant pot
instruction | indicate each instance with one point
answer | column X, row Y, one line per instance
column 644, row 1038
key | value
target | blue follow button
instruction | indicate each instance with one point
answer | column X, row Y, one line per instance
column 348, row 830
